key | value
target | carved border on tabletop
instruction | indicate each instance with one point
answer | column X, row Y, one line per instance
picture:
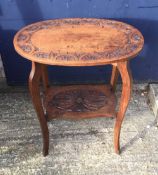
column 134, row 40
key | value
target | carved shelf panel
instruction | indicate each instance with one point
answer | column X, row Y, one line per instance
column 80, row 101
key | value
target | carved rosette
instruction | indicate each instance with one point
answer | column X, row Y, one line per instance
column 133, row 37
column 78, row 100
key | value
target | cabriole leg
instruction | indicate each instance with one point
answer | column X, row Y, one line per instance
column 34, row 80
column 124, row 70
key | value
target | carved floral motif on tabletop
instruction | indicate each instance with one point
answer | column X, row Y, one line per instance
column 134, row 40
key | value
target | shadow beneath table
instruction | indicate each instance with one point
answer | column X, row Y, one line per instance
column 138, row 136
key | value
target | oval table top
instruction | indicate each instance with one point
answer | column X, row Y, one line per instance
column 78, row 42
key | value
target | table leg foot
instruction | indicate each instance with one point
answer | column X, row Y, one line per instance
column 117, row 130
column 34, row 79
column 45, row 149
column 45, row 134
column 125, row 73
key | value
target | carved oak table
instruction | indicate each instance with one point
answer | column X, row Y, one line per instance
column 79, row 42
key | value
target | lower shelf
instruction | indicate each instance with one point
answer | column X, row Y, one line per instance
column 80, row 101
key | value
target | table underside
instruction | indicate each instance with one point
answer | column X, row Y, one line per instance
column 80, row 101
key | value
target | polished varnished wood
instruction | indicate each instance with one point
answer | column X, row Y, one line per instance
column 79, row 42
column 126, row 76
column 34, row 81
column 80, row 101
column 114, row 76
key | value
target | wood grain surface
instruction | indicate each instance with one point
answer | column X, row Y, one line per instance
column 78, row 42
column 34, row 81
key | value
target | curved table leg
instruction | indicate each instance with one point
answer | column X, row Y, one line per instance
column 125, row 97
column 34, row 79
